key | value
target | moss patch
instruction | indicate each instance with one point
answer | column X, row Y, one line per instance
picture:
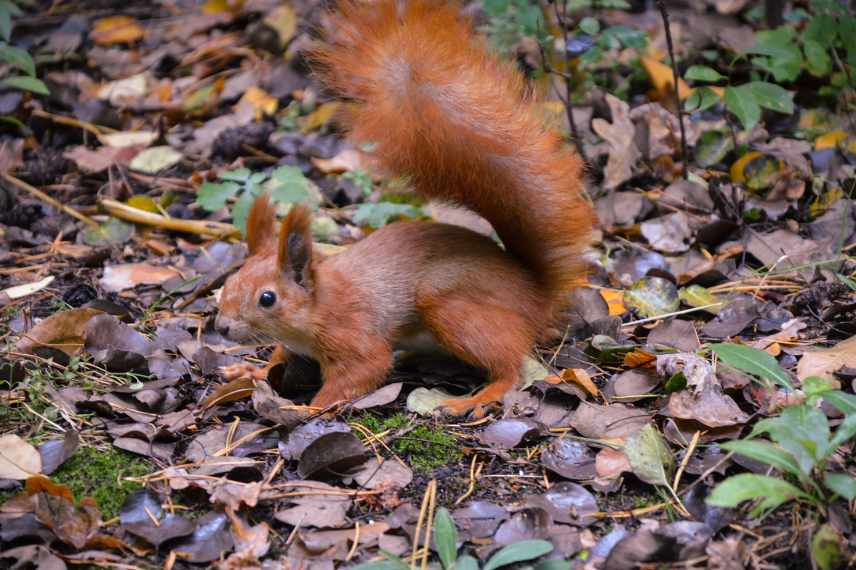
column 99, row 474
column 425, row 447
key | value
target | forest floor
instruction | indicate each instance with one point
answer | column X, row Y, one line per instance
column 721, row 302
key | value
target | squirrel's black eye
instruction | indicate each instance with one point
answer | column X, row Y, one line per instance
column 267, row 299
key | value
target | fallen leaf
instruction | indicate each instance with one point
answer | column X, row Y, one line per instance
column 663, row 79
column 18, row 459
column 670, row 233
column 605, row 422
column 388, row 474
column 129, row 138
column 569, row 459
column 623, row 152
column 129, row 275
column 116, row 30
column 154, row 159
column 56, row 451
column 142, row 515
column 649, row 456
column 509, row 433
column 652, row 297
column 333, row 453
column 210, row 539
column 233, row 391
column 582, row 379
column 62, row 330
column 825, row 362
column 381, row 397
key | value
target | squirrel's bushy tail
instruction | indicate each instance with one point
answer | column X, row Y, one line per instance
column 453, row 119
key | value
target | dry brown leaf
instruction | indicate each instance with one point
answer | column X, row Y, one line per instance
column 18, row 459
column 623, row 152
column 63, row 330
column 230, row 392
column 824, row 362
column 581, row 378
column 129, row 275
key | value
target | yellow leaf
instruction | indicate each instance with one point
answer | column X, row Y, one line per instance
column 582, row 379
column 116, row 30
column 144, row 203
column 615, row 301
column 346, row 161
column 661, row 77
column 284, row 21
column 320, row 116
column 824, row 201
column 639, row 358
column 261, row 101
column 829, row 140
column 222, row 6
column 738, row 174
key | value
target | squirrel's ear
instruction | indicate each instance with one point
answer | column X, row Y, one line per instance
column 261, row 223
column 295, row 246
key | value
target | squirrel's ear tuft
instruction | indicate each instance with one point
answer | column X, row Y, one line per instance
column 295, row 246
column 261, row 223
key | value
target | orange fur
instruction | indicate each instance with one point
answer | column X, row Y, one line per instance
column 448, row 115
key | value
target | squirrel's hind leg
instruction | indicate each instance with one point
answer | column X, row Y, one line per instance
column 484, row 334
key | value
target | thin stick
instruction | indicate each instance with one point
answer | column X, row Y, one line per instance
column 665, row 315
column 432, row 504
column 18, row 183
column 661, row 5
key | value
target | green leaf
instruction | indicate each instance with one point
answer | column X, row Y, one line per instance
column 379, row 214
column 241, row 210
column 753, row 361
column 19, row 58
column 766, row 452
column 590, row 25
column 467, row 562
column 828, row 548
column 743, row 105
column 6, row 10
column 445, row 538
column 802, row 431
column 815, row 386
column 817, row 59
column 649, row 456
column 700, row 99
column 784, row 59
column 26, row 83
column 237, row 175
column 213, row 195
column 518, row 552
column 111, row 232
column 846, row 403
column 288, row 185
column 842, row 484
column 698, row 296
column 748, row 486
column 553, row 565
column 703, row 73
column 846, row 430
column 615, row 36
column 771, row 96
column 821, row 30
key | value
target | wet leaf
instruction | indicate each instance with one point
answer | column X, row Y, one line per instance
column 570, row 459
column 652, row 297
column 333, row 453
column 210, row 539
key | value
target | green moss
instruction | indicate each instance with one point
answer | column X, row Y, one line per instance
column 99, row 474
column 425, row 447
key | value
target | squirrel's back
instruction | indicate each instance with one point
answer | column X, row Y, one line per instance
column 447, row 114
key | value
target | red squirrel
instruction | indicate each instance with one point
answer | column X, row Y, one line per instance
column 456, row 122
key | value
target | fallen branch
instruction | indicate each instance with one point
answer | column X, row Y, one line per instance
column 205, row 228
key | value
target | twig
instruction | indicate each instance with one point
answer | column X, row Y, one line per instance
column 665, row 315
column 18, row 183
column 569, row 105
column 661, row 5
column 201, row 227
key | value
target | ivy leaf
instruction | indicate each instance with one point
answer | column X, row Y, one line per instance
column 771, row 96
column 590, row 25
column 743, row 105
column 213, row 195
column 19, row 58
column 700, row 99
column 380, row 214
column 26, row 83
column 747, row 486
column 817, row 59
column 753, row 361
column 703, row 73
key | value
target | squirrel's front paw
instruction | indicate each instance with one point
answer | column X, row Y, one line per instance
column 243, row 370
column 470, row 407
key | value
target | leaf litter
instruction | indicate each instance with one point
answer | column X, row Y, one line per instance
column 113, row 345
